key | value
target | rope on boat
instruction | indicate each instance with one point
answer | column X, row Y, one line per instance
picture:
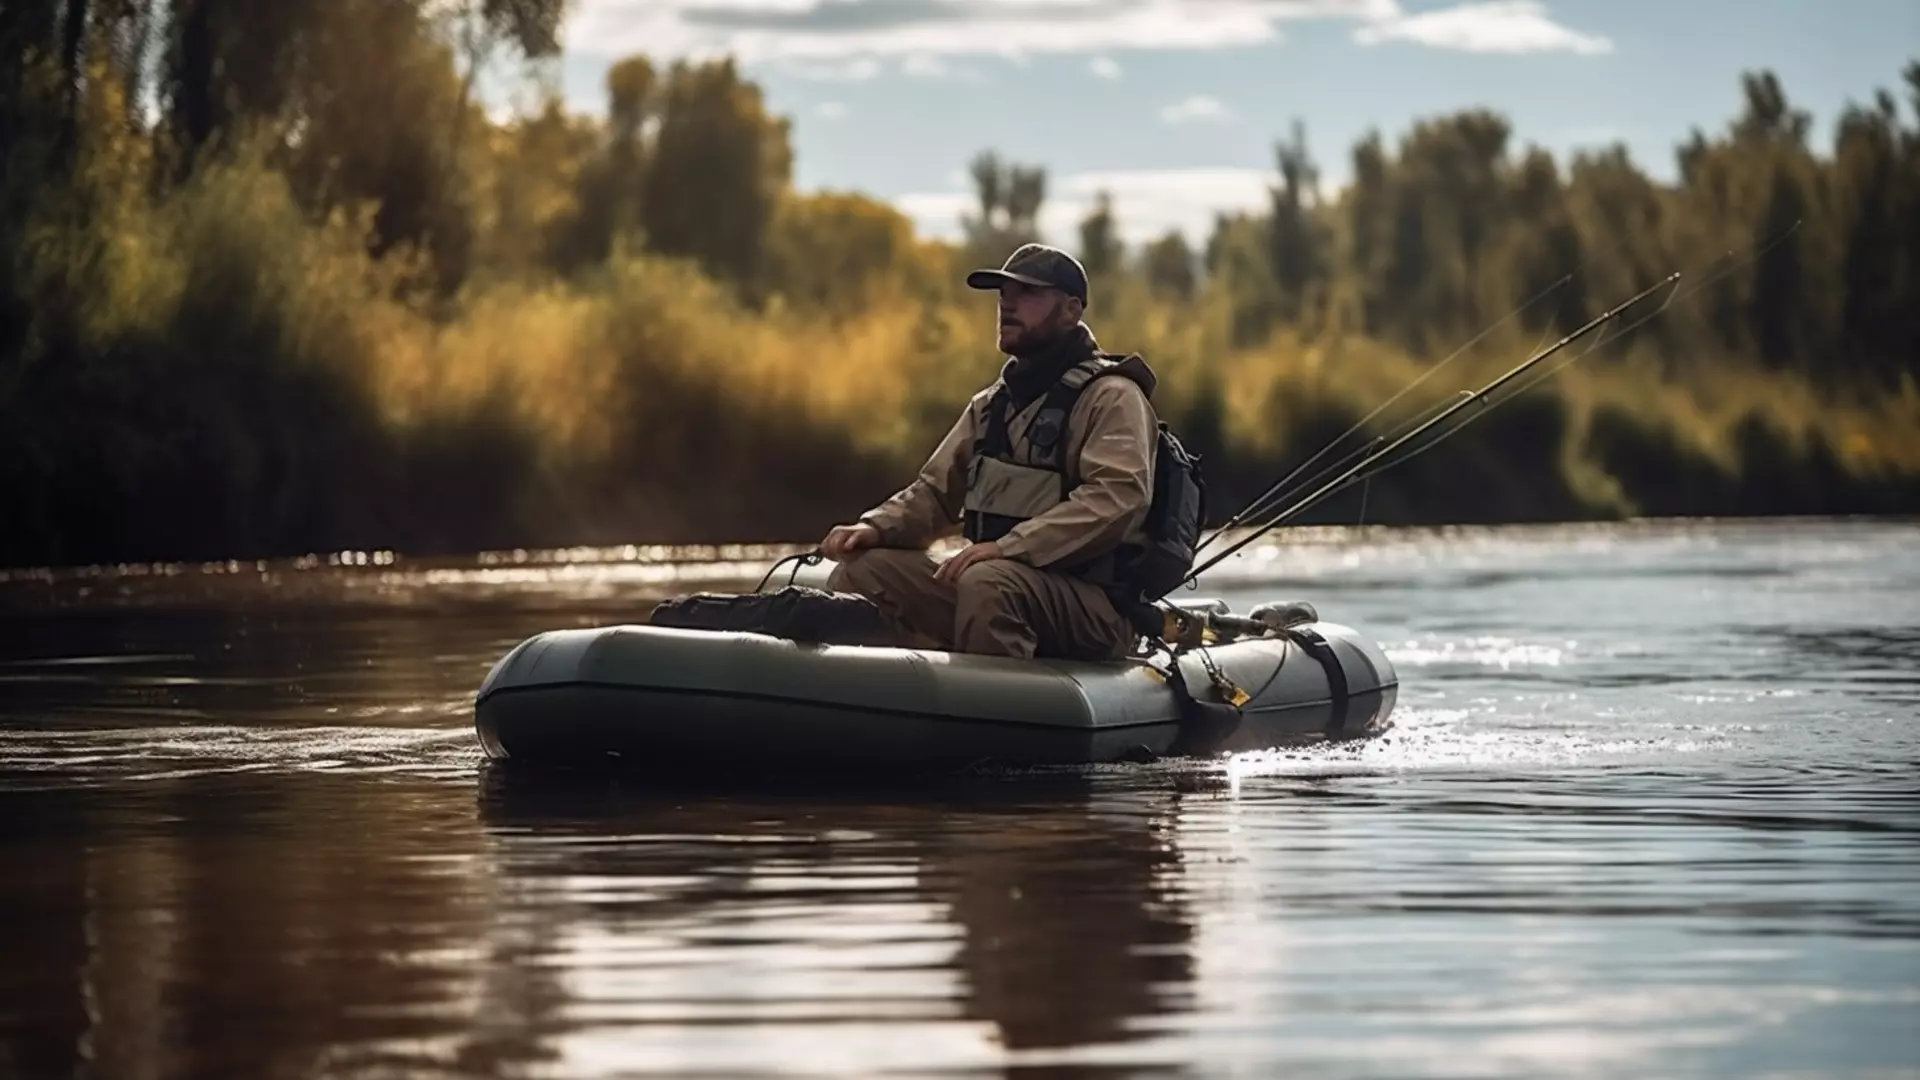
column 805, row 558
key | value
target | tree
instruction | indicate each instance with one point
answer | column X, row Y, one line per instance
column 1542, row 246
column 551, row 206
column 720, row 164
column 1168, row 266
column 1009, row 197
column 1240, row 268
column 1101, row 251
column 480, row 28
column 1297, row 239
column 835, row 252
column 1368, row 203
column 611, row 184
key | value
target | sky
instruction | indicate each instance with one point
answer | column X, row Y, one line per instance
column 1174, row 106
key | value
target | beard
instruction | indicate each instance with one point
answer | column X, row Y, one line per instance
column 1017, row 337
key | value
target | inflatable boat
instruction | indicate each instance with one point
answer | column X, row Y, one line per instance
column 673, row 699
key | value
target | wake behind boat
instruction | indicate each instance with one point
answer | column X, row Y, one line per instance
column 664, row 698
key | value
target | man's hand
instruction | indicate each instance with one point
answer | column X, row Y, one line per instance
column 846, row 540
column 951, row 570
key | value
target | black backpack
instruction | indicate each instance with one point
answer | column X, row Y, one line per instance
column 1174, row 522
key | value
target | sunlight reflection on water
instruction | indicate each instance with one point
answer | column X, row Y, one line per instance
column 1646, row 808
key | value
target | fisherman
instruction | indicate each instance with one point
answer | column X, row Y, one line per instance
column 1049, row 475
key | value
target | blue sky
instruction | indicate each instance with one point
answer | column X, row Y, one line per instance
column 1174, row 105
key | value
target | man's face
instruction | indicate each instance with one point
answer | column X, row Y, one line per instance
column 1030, row 314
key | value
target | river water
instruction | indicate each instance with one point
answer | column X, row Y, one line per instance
column 1650, row 807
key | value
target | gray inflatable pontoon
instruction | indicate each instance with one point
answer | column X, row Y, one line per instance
column 670, row 699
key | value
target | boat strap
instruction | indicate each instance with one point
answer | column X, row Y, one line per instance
column 1315, row 644
column 1204, row 725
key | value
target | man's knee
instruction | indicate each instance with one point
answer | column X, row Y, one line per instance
column 855, row 574
column 872, row 570
column 994, row 583
column 992, row 610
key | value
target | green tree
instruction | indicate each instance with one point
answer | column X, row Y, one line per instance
column 480, row 29
column 835, row 252
column 1297, row 236
column 1101, row 250
column 1009, row 196
column 1368, row 218
column 1240, row 268
column 720, row 165
column 1542, row 245
column 610, row 186
column 1168, row 264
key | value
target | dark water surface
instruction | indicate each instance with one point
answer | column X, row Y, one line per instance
column 1651, row 808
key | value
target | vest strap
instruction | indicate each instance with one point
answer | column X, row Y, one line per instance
column 998, row 499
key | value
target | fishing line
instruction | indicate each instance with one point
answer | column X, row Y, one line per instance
column 1416, row 420
column 1718, row 276
column 1487, row 403
column 1410, row 424
column 1269, row 497
column 1372, row 445
column 1482, row 396
column 1675, row 297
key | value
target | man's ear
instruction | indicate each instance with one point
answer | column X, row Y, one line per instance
column 1073, row 309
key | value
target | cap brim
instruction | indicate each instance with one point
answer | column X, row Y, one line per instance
column 993, row 279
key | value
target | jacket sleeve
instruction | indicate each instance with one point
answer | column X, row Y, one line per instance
column 929, row 507
column 1116, row 482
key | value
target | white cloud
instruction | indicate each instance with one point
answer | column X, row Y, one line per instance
column 1196, row 107
column 845, row 39
column 936, row 213
column 929, row 66
column 857, row 69
column 832, row 110
column 1495, row 26
column 1146, row 202
column 761, row 30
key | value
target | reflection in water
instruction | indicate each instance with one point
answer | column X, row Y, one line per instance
column 344, row 926
column 1074, row 923
column 109, row 669
column 295, row 913
column 838, row 926
column 1648, row 810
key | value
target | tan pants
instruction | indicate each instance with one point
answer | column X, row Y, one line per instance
column 999, row 607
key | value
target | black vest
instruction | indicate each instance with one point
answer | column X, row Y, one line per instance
column 1002, row 492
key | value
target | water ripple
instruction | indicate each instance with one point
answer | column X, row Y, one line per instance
column 1646, row 809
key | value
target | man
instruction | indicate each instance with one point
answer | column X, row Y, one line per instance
column 1050, row 469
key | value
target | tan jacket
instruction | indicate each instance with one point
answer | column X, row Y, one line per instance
column 1111, row 436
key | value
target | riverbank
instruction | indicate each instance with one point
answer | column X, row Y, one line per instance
column 245, row 386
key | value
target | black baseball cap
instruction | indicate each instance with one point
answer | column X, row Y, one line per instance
column 1036, row 264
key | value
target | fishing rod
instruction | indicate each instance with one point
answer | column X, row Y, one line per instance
column 1603, row 340
column 1616, row 335
column 1372, row 447
column 1459, row 403
column 1407, row 425
column 1270, row 497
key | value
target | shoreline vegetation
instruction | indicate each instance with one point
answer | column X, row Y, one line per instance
column 319, row 301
